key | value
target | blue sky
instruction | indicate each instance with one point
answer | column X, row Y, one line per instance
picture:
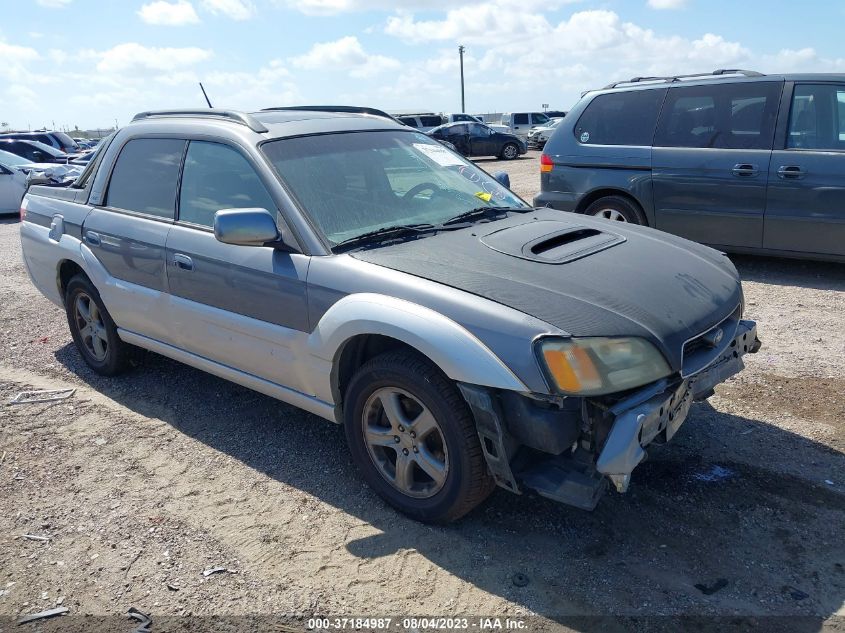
column 88, row 63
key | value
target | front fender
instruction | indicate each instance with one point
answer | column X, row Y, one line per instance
column 455, row 350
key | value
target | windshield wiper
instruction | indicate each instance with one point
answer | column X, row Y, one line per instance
column 482, row 212
column 383, row 233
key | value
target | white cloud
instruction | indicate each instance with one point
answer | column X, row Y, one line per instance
column 334, row 7
column 234, row 9
column 169, row 14
column 15, row 59
column 667, row 4
column 54, row 4
column 801, row 60
column 345, row 54
column 134, row 59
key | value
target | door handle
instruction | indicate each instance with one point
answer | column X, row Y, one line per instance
column 92, row 238
column 183, row 261
column 745, row 170
column 791, row 171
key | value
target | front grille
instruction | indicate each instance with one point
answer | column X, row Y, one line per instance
column 700, row 351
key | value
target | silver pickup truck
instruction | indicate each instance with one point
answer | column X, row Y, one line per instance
column 360, row 270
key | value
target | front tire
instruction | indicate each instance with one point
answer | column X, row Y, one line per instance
column 510, row 151
column 93, row 329
column 616, row 208
column 412, row 436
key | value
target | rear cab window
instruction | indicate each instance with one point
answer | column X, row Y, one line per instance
column 520, row 119
column 722, row 116
column 145, row 177
column 620, row 118
column 409, row 121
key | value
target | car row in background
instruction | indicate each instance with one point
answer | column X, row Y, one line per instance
column 477, row 139
column 58, row 140
column 35, row 148
column 518, row 123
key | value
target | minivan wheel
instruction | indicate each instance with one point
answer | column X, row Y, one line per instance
column 413, row 438
column 510, row 151
column 616, row 208
column 93, row 329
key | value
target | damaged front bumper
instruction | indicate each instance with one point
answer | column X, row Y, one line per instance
column 656, row 413
column 568, row 451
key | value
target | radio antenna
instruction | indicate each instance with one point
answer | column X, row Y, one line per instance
column 207, row 100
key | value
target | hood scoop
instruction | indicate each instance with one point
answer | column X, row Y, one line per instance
column 551, row 242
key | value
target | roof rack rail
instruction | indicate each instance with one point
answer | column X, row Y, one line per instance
column 673, row 78
column 334, row 108
column 231, row 115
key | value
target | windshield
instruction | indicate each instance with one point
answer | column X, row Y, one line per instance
column 7, row 158
column 351, row 184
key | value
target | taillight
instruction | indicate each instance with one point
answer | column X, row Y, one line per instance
column 23, row 209
column 546, row 163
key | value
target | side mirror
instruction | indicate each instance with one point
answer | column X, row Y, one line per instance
column 245, row 227
column 502, row 178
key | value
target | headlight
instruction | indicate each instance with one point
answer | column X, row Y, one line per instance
column 600, row 365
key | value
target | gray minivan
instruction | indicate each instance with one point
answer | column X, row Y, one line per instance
column 738, row 160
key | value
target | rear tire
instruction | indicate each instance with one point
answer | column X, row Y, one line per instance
column 414, row 439
column 510, row 151
column 616, row 208
column 93, row 329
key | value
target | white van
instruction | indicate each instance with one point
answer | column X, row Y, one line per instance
column 519, row 123
column 460, row 117
column 422, row 122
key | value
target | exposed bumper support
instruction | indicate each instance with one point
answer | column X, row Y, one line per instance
column 638, row 425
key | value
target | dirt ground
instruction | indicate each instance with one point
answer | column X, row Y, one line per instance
column 143, row 482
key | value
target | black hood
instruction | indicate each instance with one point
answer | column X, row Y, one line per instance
column 585, row 276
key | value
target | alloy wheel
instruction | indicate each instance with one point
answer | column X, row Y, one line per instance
column 610, row 214
column 92, row 329
column 405, row 442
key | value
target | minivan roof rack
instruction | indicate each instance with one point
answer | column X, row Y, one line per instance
column 334, row 108
column 716, row 73
column 231, row 115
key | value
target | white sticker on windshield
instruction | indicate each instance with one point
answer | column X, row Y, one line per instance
column 439, row 154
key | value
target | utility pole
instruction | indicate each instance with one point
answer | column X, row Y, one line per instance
column 461, row 50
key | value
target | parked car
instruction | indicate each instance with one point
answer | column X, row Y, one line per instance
column 59, row 140
column 520, row 123
column 555, row 114
column 38, row 173
column 33, row 150
column 421, row 122
column 477, row 139
column 538, row 136
column 12, row 183
column 745, row 162
column 463, row 338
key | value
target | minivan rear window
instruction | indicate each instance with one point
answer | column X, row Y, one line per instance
column 724, row 116
column 620, row 118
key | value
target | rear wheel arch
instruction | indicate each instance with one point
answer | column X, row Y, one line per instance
column 598, row 194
